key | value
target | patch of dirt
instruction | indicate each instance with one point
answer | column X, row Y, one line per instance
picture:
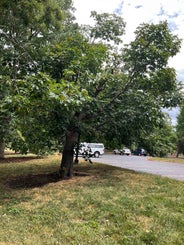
column 32, row 180
column 38, row 180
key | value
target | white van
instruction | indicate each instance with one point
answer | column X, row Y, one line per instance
column 95, row 149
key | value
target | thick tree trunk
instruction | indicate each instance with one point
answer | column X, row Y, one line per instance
column 2, row 148
column 179, row 148
column 66, row 168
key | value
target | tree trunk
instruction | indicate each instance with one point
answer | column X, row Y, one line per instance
column 66, row 168
column 179, row 148
column 2, row 148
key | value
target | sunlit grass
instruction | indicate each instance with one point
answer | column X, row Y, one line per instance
column 169, row 159
column 100, row 205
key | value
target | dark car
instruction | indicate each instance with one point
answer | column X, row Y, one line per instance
column 140, row 152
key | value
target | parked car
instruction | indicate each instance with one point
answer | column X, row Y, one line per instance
column 125, row 151
column 116, row 151
column 140, row 152
column 92, row 149
column 97, row 149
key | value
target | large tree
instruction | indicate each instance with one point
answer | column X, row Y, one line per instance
column 128, row 87
column 91, row 87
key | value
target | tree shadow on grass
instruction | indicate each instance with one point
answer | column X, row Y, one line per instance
column 18, row 159
column 38, row 180
column 32, row 180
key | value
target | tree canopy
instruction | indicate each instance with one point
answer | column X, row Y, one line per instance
column 69, row 80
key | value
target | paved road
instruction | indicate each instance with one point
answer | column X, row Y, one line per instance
column 143, row 164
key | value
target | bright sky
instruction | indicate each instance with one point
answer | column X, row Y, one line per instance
column 135, row 12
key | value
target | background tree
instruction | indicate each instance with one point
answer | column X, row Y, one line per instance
column 26, row 30
column 161, row 141
column 5, row 113
column 180, row 131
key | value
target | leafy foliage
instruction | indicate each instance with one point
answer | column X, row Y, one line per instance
column 161, row 141
column 108, row 27
column 26, row 30
column 5, row 114
column 71, row 79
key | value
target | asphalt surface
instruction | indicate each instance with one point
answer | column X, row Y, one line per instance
column 143, row 164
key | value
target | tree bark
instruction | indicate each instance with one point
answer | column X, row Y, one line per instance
column 2, row 148
column 179, row 148
column 66, row 168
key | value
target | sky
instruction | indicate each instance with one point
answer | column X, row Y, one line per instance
column 136, row 12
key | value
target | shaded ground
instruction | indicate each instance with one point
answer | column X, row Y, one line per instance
column 41, row 179
column 32, row 180
column 18, row 159
column 37, row 180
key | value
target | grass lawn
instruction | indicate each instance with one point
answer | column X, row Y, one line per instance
column 100, row 205
column 169, row 159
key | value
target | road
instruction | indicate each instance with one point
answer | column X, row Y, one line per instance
column 143, row 164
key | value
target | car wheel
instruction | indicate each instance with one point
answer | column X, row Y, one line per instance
column 96, row 154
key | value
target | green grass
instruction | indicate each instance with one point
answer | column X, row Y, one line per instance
column 102, row 205
column 169, row 159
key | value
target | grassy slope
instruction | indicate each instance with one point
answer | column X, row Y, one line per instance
column 101, row 205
